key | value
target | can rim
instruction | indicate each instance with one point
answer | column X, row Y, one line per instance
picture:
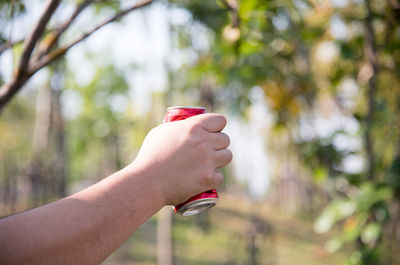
column 186, row 209
column 186, row 107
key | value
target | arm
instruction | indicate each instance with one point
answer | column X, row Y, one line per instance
column 177, row 160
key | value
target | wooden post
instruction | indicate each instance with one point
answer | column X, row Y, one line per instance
column 164, row 244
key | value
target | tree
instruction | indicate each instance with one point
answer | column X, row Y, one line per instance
column 328, row 72
column 39, row 46
column 315, row 60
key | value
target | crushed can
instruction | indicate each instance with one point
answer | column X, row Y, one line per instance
column 202, row 201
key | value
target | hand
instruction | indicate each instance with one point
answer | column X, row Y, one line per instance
column 177, row 160
column 182, row 157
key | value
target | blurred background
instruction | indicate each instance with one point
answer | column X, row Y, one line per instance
column 311, row 89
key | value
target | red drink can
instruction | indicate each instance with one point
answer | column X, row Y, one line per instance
column 202, row 201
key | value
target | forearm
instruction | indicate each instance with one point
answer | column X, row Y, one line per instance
column 176, row 161
column 83, row 228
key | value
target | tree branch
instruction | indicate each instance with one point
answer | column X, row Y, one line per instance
column 55, row 35
column 22, row 74
column 28, row 66
column 9, row 44
column 233, row 6
column 36, row 34
column 47, row 59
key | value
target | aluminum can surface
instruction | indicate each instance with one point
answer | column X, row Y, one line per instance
column 202, row 201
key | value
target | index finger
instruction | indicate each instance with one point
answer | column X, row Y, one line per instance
column 211, row 122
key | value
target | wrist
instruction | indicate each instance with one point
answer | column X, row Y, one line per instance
column 146, row 182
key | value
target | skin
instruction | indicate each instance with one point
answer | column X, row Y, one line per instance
column 176, row 161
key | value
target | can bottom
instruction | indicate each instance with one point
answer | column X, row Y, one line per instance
column 197, row 206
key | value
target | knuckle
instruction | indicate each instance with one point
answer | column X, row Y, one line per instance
column 227, row 140
column 225, row 120
column 202, row 147
column 192, row 135
column 222, row 119
column 229, row 155
column 208, row 178
column 225, row 158
column 220, row 178
column 195, row 128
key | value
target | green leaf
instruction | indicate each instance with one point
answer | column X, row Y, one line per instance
column 336, row 211
column 371, row 233
column 320, row 174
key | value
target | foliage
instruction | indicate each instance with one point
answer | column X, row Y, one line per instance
column 97, row 124
column 329, row 73
column 315, row 60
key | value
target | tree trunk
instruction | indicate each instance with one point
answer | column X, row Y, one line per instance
column 371, row 57
column 60, row 168
column 39, row 143
column 164, row 244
